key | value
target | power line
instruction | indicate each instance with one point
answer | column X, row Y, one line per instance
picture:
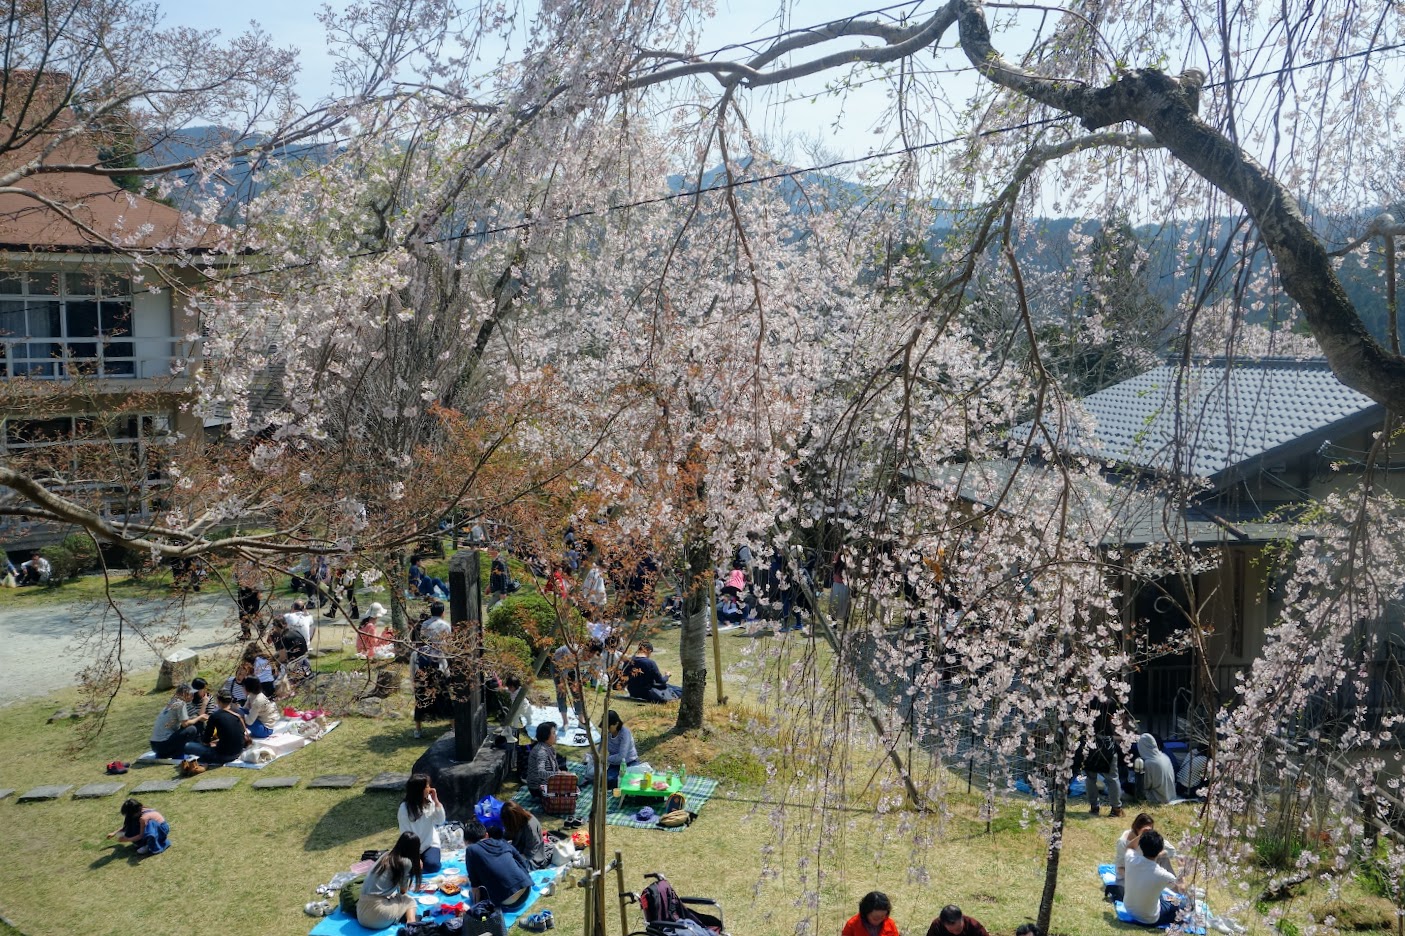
column 822, row 167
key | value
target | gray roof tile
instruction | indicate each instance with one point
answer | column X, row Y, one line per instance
column 1210, row 417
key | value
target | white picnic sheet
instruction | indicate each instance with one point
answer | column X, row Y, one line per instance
column 570, row 736
column 282, row 743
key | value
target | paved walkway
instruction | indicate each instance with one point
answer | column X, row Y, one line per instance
column 43, row 648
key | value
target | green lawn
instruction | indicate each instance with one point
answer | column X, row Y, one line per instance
column 245, row 861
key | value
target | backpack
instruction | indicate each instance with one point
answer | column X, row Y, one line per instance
column 350, row 894
column 675, row 802
column 676, row 818
column 660, row 902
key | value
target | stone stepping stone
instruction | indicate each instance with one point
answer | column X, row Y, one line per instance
column 156, row 786
column 276, row 783
column 388, row 782
column 205, row 784
column 44, row 793
column 98, row 790
column 5, row 793
column 336, row 781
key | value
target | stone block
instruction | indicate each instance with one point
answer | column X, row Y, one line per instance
column 206, row 784
column 388, row 782
column 39, row 793
column 98, row 790
column 275, row 783
column 461, row 784
column 178, row 666
column 156, row 786
column 5, row 793
column 333, row 782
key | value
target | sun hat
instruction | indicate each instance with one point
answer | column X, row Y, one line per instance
column 645, row 815
column 376, row 610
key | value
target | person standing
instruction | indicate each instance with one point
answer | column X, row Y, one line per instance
column 436, row 630
column 498, row 581
column 568, row 663
column 250, row 599
column 1102, row 761
column 593, row 588
column 952, row 922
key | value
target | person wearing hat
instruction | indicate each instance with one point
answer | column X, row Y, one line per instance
column 646, row 682
column 368, row 638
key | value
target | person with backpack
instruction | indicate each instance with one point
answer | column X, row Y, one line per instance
column 874, row 917
column 385, row 897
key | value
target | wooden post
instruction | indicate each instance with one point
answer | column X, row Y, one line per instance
column 716, row 645
column 619, row 877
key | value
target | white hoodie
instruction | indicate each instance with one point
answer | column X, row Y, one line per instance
column 1160, row 775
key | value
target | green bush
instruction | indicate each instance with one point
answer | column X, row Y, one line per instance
column 83, row 550
column 62, row 565
column 531, row 619
column 1277, row 851
column 509, row 656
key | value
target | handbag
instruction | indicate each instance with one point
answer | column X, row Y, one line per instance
column 563, row 853
column 483, row 918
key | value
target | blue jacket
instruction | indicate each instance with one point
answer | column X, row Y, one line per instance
column 497, row 867
column 646, row 680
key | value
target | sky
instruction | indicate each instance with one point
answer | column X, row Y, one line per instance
column 792, row 118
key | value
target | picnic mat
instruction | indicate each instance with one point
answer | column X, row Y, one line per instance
column 282, row 743
column 344, row 924
column 1196, row 923
column 572, row 735
column 620, row 810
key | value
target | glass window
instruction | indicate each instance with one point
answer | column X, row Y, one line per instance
column 45, row 320
column 12, row 318
column 37, row 431
column 11, row 284
column 115, row 318
column 115, row 286
column 80, row 284
column 43, row 284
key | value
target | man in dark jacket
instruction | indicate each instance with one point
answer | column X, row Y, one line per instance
column 494, row 865
column 646, row 682
column 225, row 734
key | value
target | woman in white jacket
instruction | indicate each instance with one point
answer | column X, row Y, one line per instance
column 422, row 813
column 1159, row 776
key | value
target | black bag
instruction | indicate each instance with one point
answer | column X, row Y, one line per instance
column 484, row 918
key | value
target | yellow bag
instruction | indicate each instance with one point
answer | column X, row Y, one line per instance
column 675, row 818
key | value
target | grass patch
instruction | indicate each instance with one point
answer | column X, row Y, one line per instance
column 248, row 860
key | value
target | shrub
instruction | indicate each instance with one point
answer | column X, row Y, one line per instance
column 1278, row 851
column 508, row 656
column 531, row 619
column 62, row 565
column 83, row 550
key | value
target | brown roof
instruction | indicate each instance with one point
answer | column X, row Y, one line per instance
column 104, row 216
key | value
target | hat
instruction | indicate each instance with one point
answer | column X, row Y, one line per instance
column 376, row 610
column 645, row 815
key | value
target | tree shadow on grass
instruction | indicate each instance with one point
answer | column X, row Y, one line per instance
column 397, row 739
column 351, row 819
column 643, row 746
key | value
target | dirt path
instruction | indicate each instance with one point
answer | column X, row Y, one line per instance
column 43, row 648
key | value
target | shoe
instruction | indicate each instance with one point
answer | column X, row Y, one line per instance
column 418, row 733
column 318, row 908
column 1094, row 811
column 1117, row 812
column 192, row 768
column 143, row 850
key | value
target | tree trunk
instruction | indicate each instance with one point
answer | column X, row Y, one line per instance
column 1051, row 859
column 692, row 651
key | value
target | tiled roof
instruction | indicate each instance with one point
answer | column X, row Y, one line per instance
column 1212, row 417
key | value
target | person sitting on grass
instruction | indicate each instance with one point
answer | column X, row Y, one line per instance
column 494, row 865
column 422, row 814
column 524, row 831
column 952, row 922
column 621, row 749
column 542, row 761
column 224, row 739
column 1146, row 878
column 171, row 733
column 874, row 917
column 385, row 896
column 147, row 826
column 1128, row 840
column 259, row 712
column 647, row 683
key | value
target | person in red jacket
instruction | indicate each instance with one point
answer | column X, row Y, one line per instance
column 952, row 922
column 874, row 917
